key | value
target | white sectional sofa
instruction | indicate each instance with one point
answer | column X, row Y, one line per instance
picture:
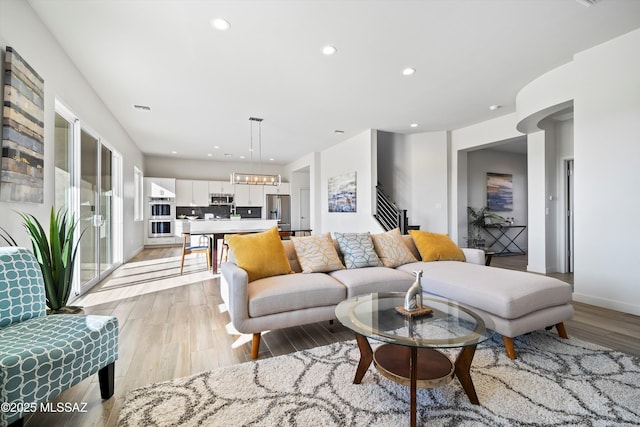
column 511, row 302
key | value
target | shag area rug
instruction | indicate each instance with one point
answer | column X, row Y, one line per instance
column 553, row 382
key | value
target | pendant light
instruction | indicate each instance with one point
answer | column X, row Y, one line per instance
column 255, row 178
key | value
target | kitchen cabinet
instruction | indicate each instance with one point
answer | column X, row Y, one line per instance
column 201, row 193
column 192, row 193
column 159, row 187
column 283, row 188
column 184, row 188
column 249, row 195
column 220, row 187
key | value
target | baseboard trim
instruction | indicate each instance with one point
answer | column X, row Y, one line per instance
column 607, row 303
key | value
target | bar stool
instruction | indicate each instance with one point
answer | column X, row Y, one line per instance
column 199, row 249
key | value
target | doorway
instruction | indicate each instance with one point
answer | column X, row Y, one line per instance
column 305, row 209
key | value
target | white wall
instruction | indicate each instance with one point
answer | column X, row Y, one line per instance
column 607, row 177
column 356, row 154
column 489, row 160
column 429, row 174
column 21, row 29
column 536, row 157
column 310, row 163
column 604, row 82
column 549, row 93
column 564, row 138
column 395, row 168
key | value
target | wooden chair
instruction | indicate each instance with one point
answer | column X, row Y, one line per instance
column 199, row 249
column 285, row 235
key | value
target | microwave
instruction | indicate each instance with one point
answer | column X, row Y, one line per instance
column 219, row 199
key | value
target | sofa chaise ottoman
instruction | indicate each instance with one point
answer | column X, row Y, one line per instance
column 510, row 302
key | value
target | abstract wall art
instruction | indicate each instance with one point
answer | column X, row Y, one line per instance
column 22, row 169
column 499, row 192
column 342, row 193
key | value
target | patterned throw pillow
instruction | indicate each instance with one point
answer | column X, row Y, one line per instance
column 317, row 253
column 436, row 247
column 391, row 249
column 357, row 249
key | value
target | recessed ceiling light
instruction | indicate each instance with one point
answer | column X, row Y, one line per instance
column 329, row 50
column 242, row 157
column 216, row 147
column 271, row 159
column 494, row 107
column 414, row 125
column 209, row 154
column 408, row 71
column 220, row 24
column 174, row 152
column 338, row 131
column 140, row 107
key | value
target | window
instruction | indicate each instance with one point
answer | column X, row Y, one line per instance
column 138, row 198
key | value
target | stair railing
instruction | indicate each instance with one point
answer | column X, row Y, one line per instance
column 388, row 215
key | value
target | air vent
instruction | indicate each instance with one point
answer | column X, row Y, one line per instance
column 141, row 107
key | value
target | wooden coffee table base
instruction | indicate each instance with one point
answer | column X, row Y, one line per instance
column 426, row 368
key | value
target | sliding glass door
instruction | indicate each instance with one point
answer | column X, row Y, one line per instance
column 86, row 175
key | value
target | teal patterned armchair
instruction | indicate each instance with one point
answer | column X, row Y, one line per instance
column 40, row 355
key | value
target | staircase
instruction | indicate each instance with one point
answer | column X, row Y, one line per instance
column 387, row 213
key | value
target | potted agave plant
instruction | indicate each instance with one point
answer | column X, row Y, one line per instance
column 56, row 256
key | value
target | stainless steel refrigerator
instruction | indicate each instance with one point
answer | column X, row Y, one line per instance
column 279, row 207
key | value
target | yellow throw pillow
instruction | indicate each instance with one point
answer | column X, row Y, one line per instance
column 259, row 254
column 436, row 247
column 317, row 254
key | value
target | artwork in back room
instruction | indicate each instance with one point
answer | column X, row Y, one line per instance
column 342, row 193
column 499, row 192
column 22, row 173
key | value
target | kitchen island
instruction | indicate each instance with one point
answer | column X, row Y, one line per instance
column 217, row 228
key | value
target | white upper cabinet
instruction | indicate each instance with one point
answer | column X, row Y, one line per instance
column 200, row 193
column 184, row 189
column 220, row 187
column 192, row 193
column 249, row 195
column 283, row 188
column 160, row 187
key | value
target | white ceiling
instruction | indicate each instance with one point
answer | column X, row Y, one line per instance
column 203, row 84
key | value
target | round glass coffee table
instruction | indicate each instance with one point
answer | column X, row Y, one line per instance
column 410, row 354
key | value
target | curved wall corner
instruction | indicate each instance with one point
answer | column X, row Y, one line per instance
column 551, row 92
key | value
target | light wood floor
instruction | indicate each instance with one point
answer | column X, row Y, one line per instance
column 173, row 326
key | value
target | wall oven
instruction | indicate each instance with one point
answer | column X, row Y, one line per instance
column 161, row 215
column 160, row 208
column 160, row 228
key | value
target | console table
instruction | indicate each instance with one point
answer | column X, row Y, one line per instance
column 505, row 238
